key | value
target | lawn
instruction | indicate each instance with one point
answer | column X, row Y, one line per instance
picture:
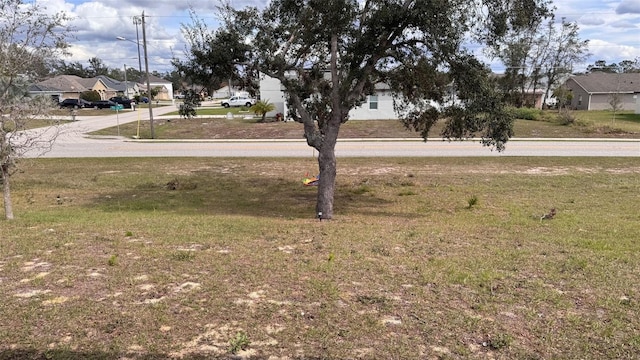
column 593, row 124
column 426, row 259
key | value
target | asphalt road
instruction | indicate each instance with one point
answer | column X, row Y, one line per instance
column 73, row 142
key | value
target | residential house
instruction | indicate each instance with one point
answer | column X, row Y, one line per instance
column 378, row 106
column 595, row 91
column 69, row 87
column 121, row 88
column 222, row 93
column 165, row 87
column 534, row 99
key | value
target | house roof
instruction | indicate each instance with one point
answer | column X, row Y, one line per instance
column 67, row 83
column 153, row 80
column 73, row 83
column 112, row 83
column 599, row 82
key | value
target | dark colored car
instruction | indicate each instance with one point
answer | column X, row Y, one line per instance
column 126, row 103
column 74, row 103
column 103, row 104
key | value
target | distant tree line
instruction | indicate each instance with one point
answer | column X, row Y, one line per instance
column 623, row 67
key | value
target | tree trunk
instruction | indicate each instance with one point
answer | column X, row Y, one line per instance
column 6, row 193
column 327, row 182
column 327, row 166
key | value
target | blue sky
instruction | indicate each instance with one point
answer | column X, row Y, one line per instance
column 611, row 26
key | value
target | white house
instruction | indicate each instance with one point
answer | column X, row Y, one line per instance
column 165, row 87
column 377, row 107
column 271, row 91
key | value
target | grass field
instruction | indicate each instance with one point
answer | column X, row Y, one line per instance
column 425, row 259
column 588, row 124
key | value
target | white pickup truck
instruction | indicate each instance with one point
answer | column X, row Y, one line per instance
column 238, row 101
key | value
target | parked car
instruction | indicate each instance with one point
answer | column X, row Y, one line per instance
column 125, row 102
column 74, row 103
column 238, row 101
column 103, row 104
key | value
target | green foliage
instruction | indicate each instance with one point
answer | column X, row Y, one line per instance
column 472, row 201
column 239, row 342
column 215, row 56
column 499, row 341
column 90, row 95
column 525, row 113
column 113, row 260
column 261, row 108
column 625, row 66
column 188, row 107
column 183, row 256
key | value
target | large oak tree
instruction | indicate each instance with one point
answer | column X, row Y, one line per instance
column 330, row 54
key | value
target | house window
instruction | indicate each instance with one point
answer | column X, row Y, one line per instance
column 373, row 102
column 580, row 100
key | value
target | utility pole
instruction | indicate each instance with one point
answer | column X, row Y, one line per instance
column 126, row 83
column 146, row 68
column 137, row 21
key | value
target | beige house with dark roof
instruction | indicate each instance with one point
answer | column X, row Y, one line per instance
column 70, row 87
column 594, row 91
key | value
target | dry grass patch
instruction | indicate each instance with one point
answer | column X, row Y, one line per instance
column 590, row 125
column 231, row 260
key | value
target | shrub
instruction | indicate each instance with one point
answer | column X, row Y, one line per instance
column 566, row 117
column 526, row 113
column 91, row 95
column 240, row 342
column 261, row 108
column 188, row 107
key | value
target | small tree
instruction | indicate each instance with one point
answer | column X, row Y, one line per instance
column 564, row 96
column 28, row 37
column 615, row 101
column 261, row 108
column 191, row 102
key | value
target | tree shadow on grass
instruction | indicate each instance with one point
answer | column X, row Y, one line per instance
column 235, row 195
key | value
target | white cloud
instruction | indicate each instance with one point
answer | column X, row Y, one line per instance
column 627, row 24
column 612, row 52
column 591, row 20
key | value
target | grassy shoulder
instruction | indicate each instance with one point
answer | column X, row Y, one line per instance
column 198, row 258
column 546, row 124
